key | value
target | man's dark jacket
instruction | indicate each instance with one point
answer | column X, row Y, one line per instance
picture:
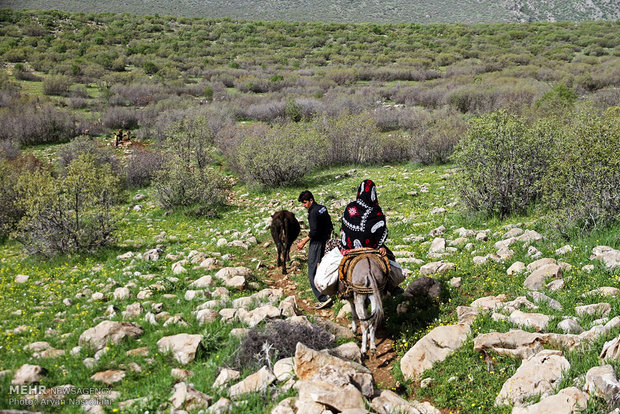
column 320, row 223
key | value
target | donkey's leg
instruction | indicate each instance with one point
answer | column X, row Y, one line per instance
column 354, row 317
column 372, row 326
column 362, row 312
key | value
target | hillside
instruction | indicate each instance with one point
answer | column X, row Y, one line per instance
column 376, row 11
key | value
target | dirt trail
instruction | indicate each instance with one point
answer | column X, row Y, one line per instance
column 380, row 366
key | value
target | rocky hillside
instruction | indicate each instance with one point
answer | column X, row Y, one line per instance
column 389, row 11
column 163, row 320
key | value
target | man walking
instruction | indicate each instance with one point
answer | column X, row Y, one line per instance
column 320, row 231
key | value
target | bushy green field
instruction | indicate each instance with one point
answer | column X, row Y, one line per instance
column 34, row 310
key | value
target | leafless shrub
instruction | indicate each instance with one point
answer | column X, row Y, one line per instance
column 142, row 167
column 31, row 124
column 78, row 103
column 605, row 98
column 8, row 149
column 267, row 111
column 434, row 143
column 353, row 139
column 429, row 96
column 139, row 94
column 119, row 117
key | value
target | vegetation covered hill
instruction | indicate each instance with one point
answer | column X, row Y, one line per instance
column 390, row 11
column 141, row 155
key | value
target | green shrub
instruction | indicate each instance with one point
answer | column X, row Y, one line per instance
column 558, row 100
column 150, row 68
column 581, row 185
column 501, row 162
column 73, row 212
column 282, row 155
column 187, row 178
column 56, row 85
column 293, row 111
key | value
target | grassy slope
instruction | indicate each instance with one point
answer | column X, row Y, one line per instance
column 390, row 11
column 475, row 388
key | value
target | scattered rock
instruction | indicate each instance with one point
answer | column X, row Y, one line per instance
column 225, row 376
column 602, row 309
column 29, row 374
column 257, row 382
column 538, row 277
column 284, row 369
column 21, row 278
column 537, row 321
column 603, row 382
column 611, row 350
column 538, row 375
column 568, row 401
column 436, row 267
column 604, row 291
column 183, row 346
column 207, row 316
column 515, row 268
column 223, row 405
column 609, row 256
column 188, row 398
column 563, row 250
column 109, row 332
column 436, row 346
column 109, row 377
column 570, row 326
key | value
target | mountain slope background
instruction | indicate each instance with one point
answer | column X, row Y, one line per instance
column 377, row 11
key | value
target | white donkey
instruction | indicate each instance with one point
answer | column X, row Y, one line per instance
column 367, row 280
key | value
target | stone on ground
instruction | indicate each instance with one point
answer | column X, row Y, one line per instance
column 538, row 375
column 436, row 346
column 109, row 332
column 183, row 346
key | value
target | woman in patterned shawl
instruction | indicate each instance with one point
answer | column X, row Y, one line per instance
column 363, row 221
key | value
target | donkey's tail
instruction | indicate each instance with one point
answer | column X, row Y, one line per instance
column 377, row 305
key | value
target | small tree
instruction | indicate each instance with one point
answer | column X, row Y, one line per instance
column 582, row 183
column 74, row 212
column 501, row 161
column 187, row 178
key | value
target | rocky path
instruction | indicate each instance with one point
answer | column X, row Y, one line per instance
column 380, row 366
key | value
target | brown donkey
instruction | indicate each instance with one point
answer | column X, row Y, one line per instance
column 284, row 230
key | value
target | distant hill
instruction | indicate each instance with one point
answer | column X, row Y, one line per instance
column 377, row 11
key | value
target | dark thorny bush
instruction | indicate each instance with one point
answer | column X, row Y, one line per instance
column 72, row 212
column 87, row 145
column 279, row 340
column 142, row 166
column 581, row 185
column 501, row 161
column 282, row 155
column 119, row 117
